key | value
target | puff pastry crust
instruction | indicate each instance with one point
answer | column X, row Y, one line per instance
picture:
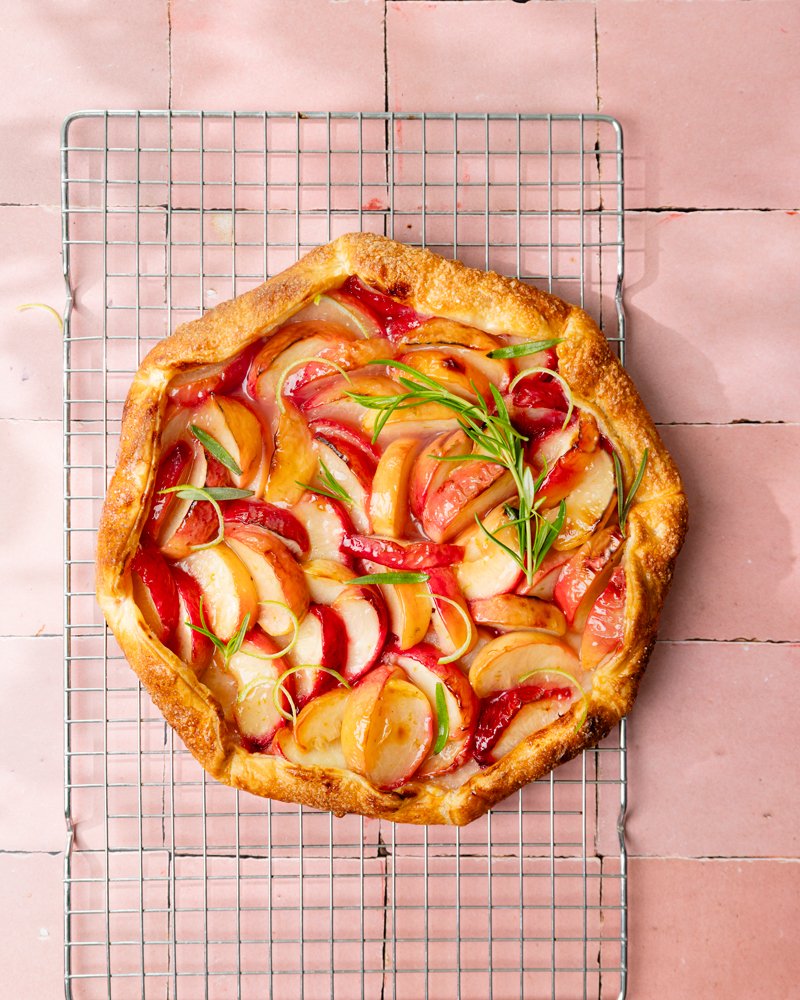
column 443, row 288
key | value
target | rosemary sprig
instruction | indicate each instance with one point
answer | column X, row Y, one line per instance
column 523, row 350
column 229, row 648
column 624, row 503
column 495, row 439
column 213, row 447
column 398, row 576
column 332, row 488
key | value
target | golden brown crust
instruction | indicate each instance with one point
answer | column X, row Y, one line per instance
column 449, row 289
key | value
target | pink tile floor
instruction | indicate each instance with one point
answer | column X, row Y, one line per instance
column 709, row 97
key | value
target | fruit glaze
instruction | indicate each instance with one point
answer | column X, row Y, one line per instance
column 385, row 542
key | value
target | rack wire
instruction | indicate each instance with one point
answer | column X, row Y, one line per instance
column 176, row 886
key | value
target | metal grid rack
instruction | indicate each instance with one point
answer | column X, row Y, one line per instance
column 175, row 885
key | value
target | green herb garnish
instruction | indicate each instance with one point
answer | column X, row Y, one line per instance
column 229, row 648
column 332, row 488
column 442, row 720
column 213, row 447
column 522, row 350
column 623, row 502
column 495, row 439
column 392, row 577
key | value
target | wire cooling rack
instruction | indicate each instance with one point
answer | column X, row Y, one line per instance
column 176, row 886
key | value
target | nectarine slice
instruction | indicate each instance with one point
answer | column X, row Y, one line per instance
column 505, row 660
column 228, row 589
column 279, row 581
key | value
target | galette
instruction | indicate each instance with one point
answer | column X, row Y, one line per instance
column 387, row 534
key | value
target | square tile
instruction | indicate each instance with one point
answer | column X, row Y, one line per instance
column 31, row 553
column 30, row 339
column 696, row 88
column 706, row 304
column 66, row 58
column 713, row 929
column 737, row 576
column 284, row 57
column 33, row 954
column 440, row 58
column 32, row 779
column 701, row 784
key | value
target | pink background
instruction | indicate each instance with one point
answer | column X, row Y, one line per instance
column 708, row 93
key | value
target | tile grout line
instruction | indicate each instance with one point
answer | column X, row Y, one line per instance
column 169, row 55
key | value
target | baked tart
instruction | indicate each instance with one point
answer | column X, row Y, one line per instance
column 388, row 535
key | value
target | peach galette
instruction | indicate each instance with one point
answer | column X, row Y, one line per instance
column 388, row 535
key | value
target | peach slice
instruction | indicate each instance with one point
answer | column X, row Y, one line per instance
column 255, row 711
column 503, row 661
column 321, row 640
column 320, row 722
column 343, row 310
column 326, row 579
column 236, row 427
column 285, row 349
column 429, row 471
column 419, row 420
column 588, row 503
column 176, row 427
column 294, row 459
column 278, row 520
column 174, row 469
column 352, row 473
column 447, row 331
column 334, row 431
column 194, row 648
column 388, row 504
column 330, row 400
column 453, row 630
column 454, row 373
column 512, row 611
column 394, row 318
column 285, row 745
column 400, row 554
column 193, row 386
column 497, row 731
column 359, row 709
column 190, row 522
column 387, row 729
column 471, row 489
column 155, row 592
column 366, row 622
column 585, row 575
column 283, row 338
column 276, row 575
column 544, row 580
column 228, row 589
column 551, row 445
column 222, row 685
column 486, row 569
column 564, row 477
column 421, row 665
column 409, row 608
column 531, row 718
column 458, row 367
column 328, row 524
column 605, row 626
